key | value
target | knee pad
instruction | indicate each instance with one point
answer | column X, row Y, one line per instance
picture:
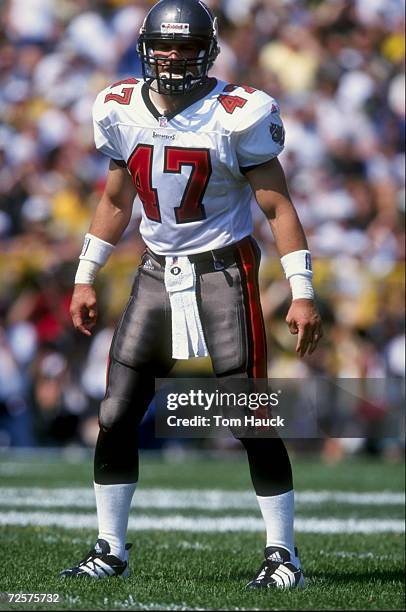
column 113, row 411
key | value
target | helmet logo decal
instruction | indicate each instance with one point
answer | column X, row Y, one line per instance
column 174, row 28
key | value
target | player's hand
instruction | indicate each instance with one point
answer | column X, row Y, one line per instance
column 83, row 308
column 304, row 320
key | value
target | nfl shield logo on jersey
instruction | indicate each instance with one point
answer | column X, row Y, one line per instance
column 163, row 121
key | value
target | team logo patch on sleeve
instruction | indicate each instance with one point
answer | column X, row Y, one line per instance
column 277, row 133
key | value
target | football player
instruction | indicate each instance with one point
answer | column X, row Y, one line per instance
column 193, row 148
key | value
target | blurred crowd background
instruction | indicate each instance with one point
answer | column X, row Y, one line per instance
column 336, row 68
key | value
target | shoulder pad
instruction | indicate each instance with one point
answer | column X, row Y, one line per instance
column 113, row 98
column 242, row 107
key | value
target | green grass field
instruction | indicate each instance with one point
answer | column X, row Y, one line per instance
column 198, row 537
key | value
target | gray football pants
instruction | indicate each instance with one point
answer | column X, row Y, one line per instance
column 141, row 350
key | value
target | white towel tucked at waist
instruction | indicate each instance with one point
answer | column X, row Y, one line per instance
column 187, row 331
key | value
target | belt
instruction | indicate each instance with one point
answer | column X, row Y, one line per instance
column 217, row 256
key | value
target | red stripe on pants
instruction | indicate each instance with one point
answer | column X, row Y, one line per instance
column 255, row 318
column 107, row 371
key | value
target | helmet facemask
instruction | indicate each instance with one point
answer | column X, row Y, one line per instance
column 173, row 76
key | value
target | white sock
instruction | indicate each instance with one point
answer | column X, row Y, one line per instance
column 278, row 514
column 113, row 507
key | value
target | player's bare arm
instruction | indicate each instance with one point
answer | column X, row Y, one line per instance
column 111, row 217
column 269, row 186
column 113, row 212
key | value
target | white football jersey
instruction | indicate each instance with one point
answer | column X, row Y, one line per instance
column 188, row 167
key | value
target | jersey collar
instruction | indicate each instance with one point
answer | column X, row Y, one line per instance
column 201, row 92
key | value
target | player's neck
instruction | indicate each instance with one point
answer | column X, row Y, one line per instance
column 166, row 104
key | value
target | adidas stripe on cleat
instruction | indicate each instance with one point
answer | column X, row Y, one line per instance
column 99, row 563
column 278, row 571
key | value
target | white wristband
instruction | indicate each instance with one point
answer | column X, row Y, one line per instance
column 301, row 287
column 297, row 262
column 95, row 253
column 298, row 270
column 95, row 249
column 86, row 272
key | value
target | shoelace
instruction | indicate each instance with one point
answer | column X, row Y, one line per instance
column 267, row 569
column 89, row 557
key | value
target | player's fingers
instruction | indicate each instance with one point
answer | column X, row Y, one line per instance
column 292, row 325
column 84, row 330
column 317, row 335
column 82, row 321
column 299, row 339
column 82, row 327
column 313, row 343
column 303, row 340
column 92, row 317
column 89, row 321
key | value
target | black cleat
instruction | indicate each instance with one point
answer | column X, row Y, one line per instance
column 99, row 563
column 278, row 571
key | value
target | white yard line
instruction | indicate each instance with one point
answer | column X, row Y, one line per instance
column 203, row 524
column 204, row 499
column 131, row 601
column 345, row 554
